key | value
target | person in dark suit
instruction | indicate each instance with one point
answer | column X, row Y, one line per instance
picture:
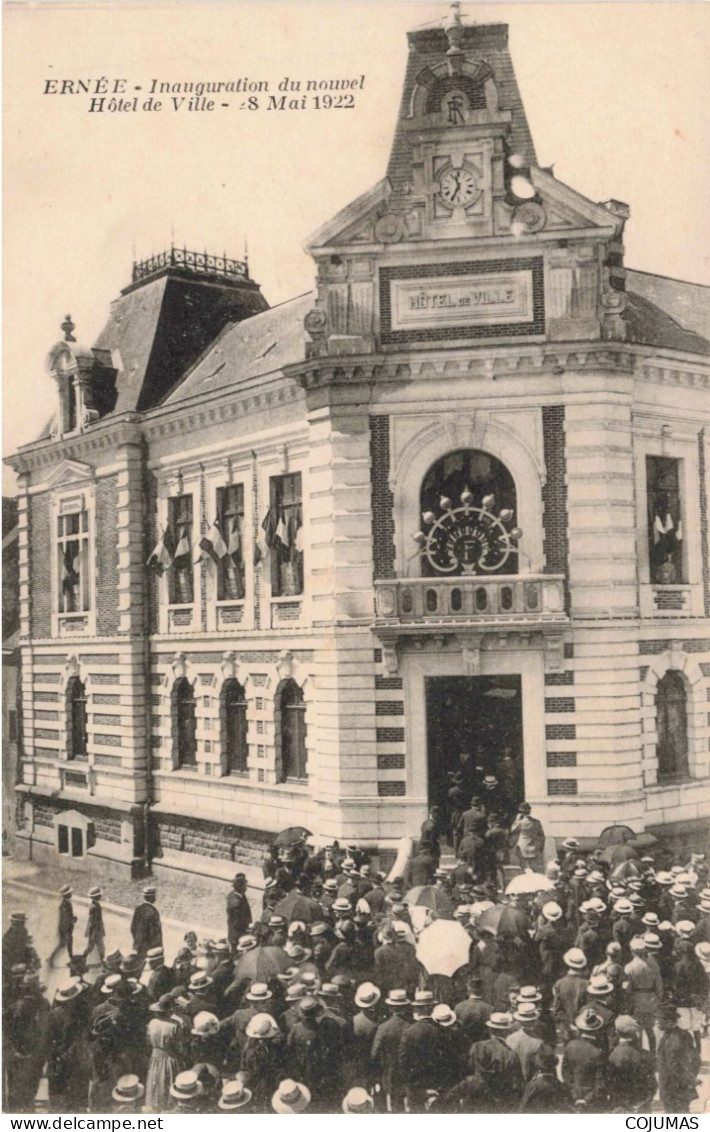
column 395, row 963
column 422, row 1053
column 473, row 1013
column 678, row 1062
column 65, row 927
column 545, row 1093
column 238, row 910
column 385, row 1049
column 584, row 1064
column 145, row 925
column 161, row 979
column 630, row 1070
column 95, row 931
column 498, row 1064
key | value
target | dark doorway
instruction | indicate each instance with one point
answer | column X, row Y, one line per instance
column 475, row 728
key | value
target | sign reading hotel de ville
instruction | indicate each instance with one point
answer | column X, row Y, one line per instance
column 500, row 298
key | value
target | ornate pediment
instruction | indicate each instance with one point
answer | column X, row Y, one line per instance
column 70, row 473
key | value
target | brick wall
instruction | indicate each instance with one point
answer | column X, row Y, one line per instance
column 382, row 498
column 554, row 494
column 40, row 544
column 107, row 615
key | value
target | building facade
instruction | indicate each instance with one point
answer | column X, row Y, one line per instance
column 300, row 565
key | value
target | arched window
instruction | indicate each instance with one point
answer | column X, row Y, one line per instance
column 76, row 719
column 292, row 731
column 235, row 750
column 184, row 724
column 672, row 727
column 468, row 517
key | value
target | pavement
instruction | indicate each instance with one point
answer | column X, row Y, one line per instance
column 184, row 905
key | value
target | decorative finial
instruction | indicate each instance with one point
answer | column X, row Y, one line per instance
column 454, row 29
column 68, row 327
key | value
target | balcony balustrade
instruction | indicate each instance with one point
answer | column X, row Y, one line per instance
column 530, row 598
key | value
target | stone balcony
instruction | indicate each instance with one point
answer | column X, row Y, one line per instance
column 477, row 600
column 527, row 607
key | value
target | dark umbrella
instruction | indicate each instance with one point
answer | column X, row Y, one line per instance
column 644, row 841
column 617, row 854
column 295, row 906
column 615, row 835
column 291, row 836
column 262, row 964
column 428, row 896
column 504, row 921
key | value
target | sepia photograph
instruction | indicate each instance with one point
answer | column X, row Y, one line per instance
column 356, row 559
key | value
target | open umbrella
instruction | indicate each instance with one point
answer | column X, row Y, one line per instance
column 505, row 922
column 615, row 835
column 262, row 964
column 296, row 906
column 443, row 947
column 529, row 882
column 429, row 896
column 616, row 854
column 291, row 836
column 625, row 869
column 643, row 841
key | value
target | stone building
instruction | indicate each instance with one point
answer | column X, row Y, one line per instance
column 300, row 565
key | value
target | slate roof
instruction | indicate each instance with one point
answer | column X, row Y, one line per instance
column 260, row 345
column 668, row 313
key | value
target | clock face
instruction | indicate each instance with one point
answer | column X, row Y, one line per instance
column 458, row 186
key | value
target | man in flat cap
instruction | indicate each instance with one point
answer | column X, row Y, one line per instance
column 145, row 926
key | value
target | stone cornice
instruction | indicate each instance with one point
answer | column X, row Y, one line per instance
column 554, row 359
column 667, row 371
column 183, row 418
column 103, row 437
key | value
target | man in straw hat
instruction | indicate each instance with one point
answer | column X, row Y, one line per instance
column 525, row 1042
column 145, row 926
column 235, row 1098
column 583, row 1063
column 386, row 1046
column 644, row 988
column 186, row 1092
column 95, row 931
column 291, row 1097
column 65, row 925
column 423, row 1050
column 569, row 991
column 498, row 1064
column 128, row 1094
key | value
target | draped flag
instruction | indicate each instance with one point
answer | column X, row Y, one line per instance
column 213, row 546
column 182, row 550
column 234, row 541
column 161, row 558
column 268, row 526
column 70, row 567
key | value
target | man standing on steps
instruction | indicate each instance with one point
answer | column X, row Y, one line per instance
column 238, row 910
column 65, row 928
column 145, row 925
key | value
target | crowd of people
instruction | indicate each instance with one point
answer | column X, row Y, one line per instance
column 585, row 988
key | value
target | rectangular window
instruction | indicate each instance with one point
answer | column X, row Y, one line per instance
column 284, row 526
column 73, row 561
column 179, row 537
column 12, row 725
column 62, row 839
column 230, row 518
column 665, row 520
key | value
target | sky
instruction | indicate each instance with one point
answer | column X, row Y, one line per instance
column 616, row 95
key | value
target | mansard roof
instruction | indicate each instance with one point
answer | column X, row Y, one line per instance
column 668, row 312
column 260, row 345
